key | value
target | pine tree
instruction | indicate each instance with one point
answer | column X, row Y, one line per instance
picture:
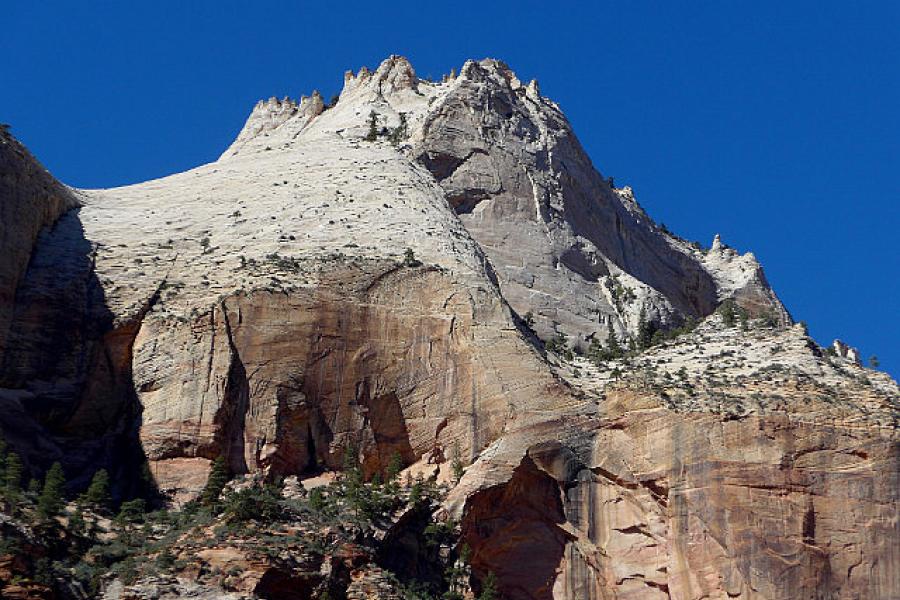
column 456, row 464
column 215, row 483
column 316, row 500
column 2, row 461
column 646, row 329
column 52, row 500
column 13, row 475
column 489, row 587
column 613, row 349
column 727, row 310
column 97, row 494
column 132, row 511
column 352, row 481
column 372, row 135
column 394, row 467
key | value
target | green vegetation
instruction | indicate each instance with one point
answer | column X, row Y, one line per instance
column 489, row 588
column 215, row 483
column 80, row 547
column 528, row 319
column 559, row 345
column 399, row 133
column 51, row 500
column 13, row 468
column 132, row 511
column 409, row 258
column 621, row 294
column 372, row 134
column 456, row 464
column 97, row 495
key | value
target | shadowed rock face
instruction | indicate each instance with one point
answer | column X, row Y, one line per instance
column 313, row 291
column 31, row 200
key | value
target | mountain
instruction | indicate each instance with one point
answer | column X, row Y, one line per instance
column 435, row 273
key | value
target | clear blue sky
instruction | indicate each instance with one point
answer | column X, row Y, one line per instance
column 776, row 124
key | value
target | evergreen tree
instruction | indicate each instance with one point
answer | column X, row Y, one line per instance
column 215, row 483
column 2, row 461
column 316, row 500
column 372, row 135
column 13, row 475
column 394, row 467
column 352, row 485
column 874, row 362
column 148, row 483
column 97, row 494
column 132, row 511
column 646, row 329
column 409, row 258
column 613, row 349
column 456, row 464
column 489, row 588
column 415, row 491
column 727, row 310
column 52, row 500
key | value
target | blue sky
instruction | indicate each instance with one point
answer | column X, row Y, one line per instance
column 775, row 124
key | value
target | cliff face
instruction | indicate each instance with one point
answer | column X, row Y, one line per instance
column 652, row 504
column 389, row 358
column 32, row 200
column 358, row 276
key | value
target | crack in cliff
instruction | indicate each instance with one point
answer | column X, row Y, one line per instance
column 235, row 403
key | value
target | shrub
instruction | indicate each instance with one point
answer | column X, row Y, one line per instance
column 727, row 311
column 253, row 504
column 559, row 345
column 399, row 133
column 409, row 258
column 316, row 500
column 133, row 511
column 528, row 319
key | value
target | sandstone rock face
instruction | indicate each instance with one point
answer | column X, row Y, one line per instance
column 269, row 312
column 392, row 359
column 694, row 506
column 566, row 246
column 357, row 277
column 32, row 199
column 753, row 474
column 560, row 236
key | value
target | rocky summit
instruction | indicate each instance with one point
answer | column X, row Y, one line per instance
column 412, row 344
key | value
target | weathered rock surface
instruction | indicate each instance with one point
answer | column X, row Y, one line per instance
column 31, row 200
column 711, row 467
column 357, row 274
